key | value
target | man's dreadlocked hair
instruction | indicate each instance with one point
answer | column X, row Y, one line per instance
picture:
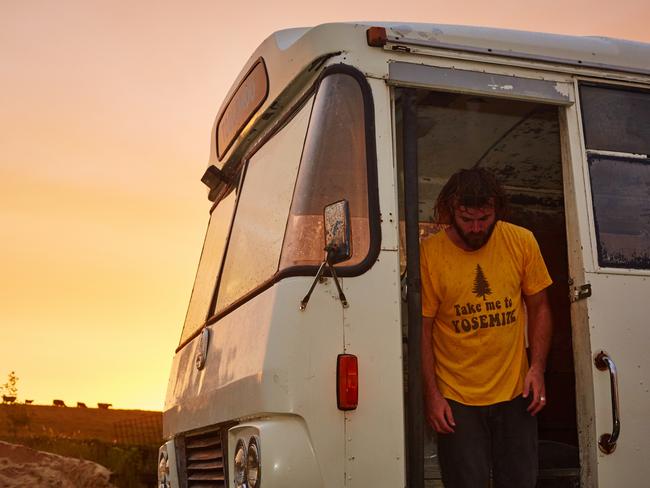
column 473, row 188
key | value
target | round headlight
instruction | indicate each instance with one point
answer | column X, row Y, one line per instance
column 239, row 477
column 163, row 468
column 253, row 464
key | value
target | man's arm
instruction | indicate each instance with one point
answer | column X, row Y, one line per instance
column 540, row 329
column 437, row 409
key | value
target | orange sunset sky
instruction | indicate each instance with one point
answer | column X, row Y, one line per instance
column 106, row 109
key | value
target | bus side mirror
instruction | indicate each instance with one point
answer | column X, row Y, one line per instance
column 338, row 239
column 338, row 246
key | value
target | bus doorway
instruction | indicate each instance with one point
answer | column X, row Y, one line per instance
column 519, row 141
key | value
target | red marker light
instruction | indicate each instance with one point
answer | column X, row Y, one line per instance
column 376, row 36
column 347, row 373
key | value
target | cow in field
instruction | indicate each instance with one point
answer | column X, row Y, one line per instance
column 81, row 405
column 8, row 399
column 104, row 405
column 58, row 403
column 29, row 402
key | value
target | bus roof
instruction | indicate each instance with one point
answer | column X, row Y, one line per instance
column 288, row 52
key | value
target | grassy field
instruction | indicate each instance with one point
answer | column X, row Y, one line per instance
column 125, row 441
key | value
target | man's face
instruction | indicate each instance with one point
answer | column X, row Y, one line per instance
column 474, row 225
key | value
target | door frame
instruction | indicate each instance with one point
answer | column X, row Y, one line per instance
column 526, row 85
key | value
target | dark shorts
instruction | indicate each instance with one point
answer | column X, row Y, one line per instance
column 499, row 438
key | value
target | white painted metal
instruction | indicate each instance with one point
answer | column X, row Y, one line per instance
column 287, row 457
column 594, row 52
column 619, row 326
column 374, row 432
column 579, row 246
column 267, row 358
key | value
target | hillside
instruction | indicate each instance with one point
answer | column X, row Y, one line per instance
column 108, row 425
column 124, row 441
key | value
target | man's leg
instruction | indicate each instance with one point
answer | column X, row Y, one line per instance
column 514, row 444
column 465, row 454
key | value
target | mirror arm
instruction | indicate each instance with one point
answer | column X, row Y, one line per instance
column 319, row 275
column 344, row 300
column 304, row 301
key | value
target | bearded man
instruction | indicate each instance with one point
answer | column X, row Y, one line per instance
column 483, row 282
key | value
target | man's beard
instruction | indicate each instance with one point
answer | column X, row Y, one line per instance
column 474, row 240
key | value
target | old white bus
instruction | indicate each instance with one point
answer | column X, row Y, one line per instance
column 298, row 363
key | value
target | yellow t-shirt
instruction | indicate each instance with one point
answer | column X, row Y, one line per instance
column 476, row 300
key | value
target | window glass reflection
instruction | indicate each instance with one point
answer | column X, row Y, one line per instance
column 621, row 197
column 333, row 168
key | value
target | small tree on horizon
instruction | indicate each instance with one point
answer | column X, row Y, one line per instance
column 9, row 388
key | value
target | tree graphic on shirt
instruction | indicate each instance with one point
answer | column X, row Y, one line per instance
column 481, row 285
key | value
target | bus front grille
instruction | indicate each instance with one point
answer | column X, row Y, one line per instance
column 205, row 460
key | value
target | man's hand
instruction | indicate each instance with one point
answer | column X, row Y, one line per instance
column 539, row 336
column 534, row 385
column 438, row 413
column 437, row 409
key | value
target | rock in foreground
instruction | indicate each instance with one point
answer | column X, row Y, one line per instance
column 22, row 466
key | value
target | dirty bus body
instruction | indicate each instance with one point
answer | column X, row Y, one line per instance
column 265, row 392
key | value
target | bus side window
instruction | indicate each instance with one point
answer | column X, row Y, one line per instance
column 261, row 215
column 333, row 167
column 617, row 136
column 206, row 276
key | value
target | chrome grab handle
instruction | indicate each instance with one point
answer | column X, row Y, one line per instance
column 607, row 442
